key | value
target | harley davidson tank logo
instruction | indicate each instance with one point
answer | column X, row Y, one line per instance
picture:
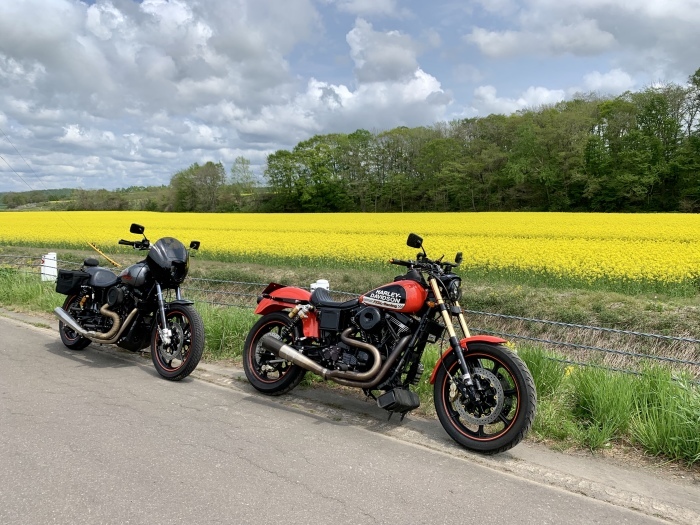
column 394, row 298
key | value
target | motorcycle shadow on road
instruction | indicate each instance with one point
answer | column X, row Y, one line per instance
column 346, row 408
column 97, row 356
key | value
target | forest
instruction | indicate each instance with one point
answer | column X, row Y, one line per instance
column 636, row 152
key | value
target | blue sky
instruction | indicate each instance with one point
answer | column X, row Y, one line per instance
column 107, row 94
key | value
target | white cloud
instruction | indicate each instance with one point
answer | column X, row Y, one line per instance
column 368, row 7
column 582, row 37
column 615, row 81
column 116, row 90
column 648, row 36
column 380, row 56
column 487, row 101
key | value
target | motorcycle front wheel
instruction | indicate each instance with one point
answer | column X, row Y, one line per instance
column 501, row 413
column 177, row 360
column 268, row 373
column 70, row 337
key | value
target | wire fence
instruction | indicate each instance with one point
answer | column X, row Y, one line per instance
column 575, row 344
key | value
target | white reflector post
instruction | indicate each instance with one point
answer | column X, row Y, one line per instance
column 49, row 267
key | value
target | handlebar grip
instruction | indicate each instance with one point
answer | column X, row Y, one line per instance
column 128, row 243
column 400, row 262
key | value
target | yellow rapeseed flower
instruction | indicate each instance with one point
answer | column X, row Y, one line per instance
column 661, row 248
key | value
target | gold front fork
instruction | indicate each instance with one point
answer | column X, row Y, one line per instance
column 447, row 318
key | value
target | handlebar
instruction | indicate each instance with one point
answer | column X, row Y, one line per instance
column 425, row 264
column 137, row 245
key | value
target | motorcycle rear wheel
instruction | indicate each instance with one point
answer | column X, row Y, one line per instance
column 69, row 337
column 268, row 373
column 178, row 360
column 506, row 408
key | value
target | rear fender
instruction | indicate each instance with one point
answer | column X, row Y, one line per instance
column 277, row 299
column 464, row 344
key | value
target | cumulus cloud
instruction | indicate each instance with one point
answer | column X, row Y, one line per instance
column 487, row 101
column 110, row 92
column 122, row 91
column 582, row 37
column 381, row 56
column 615, row 81
column 368, row 7
column 651, row 36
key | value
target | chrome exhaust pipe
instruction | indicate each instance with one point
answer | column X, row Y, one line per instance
column 68, row 320
column 106, row 338
column 369, row 379
column 271, row 343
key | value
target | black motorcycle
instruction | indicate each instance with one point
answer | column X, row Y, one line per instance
column 129, row 310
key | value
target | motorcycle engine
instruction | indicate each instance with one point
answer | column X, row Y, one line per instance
column 120, row 299
column 342, row 357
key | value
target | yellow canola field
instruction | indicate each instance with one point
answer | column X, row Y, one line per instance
column 639, row 247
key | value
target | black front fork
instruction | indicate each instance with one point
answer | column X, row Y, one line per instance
column 165, row 333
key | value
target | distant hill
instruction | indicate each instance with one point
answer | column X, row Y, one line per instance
column 13, row 200
column 132, row 198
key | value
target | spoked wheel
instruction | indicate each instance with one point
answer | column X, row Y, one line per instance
column 177, row 359
column 500, row 413
column 268, row 373
column 70, row 337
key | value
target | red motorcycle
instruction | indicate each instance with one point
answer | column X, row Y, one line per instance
column 484, row 394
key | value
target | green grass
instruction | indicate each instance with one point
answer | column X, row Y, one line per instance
column 597, row 408
column 26, row 290
column 602, row 404
column 667, row 416
column 226, row 329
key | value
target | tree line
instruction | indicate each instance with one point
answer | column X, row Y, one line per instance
column 639, row 151
column 636, row 152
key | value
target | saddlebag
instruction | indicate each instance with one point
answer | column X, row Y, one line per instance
column 69, row 282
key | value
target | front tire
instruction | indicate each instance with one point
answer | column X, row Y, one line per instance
column 69, row 337
column 268, row 373
column 502, row 415
column 177, row 360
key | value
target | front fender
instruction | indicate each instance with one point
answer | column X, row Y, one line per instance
column 464, row 344
column 184, row 302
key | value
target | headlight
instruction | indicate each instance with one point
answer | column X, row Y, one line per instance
column 455, row 289
column 178, row 271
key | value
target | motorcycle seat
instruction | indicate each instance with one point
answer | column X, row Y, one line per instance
column 321, row 297
column 101, row 277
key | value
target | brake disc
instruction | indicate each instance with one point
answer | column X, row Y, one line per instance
column 174, row 349
column 487, row 413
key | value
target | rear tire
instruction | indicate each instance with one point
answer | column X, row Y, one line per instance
column 69, row 337
column 268, row 373
column 178, row 359
column 502, row 415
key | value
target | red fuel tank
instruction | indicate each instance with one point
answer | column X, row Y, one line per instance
column 401, row 296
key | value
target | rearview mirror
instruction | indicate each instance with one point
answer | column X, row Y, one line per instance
column 458, row 258
column 194, row 245
column 414, row 241
column 137, row 229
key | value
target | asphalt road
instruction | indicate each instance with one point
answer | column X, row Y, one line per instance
column 98, row 437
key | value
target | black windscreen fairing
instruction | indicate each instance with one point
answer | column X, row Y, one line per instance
column 166, row 251
column 169, row 260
